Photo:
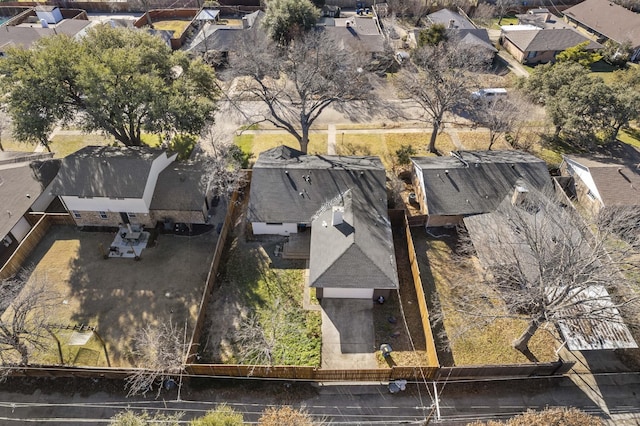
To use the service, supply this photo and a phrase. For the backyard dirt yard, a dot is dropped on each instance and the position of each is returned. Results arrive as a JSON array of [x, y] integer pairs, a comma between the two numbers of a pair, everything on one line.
[[120, 296]]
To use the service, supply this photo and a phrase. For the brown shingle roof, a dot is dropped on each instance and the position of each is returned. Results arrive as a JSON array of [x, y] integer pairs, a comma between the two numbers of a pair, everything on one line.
[[613, 21], [546, 40]]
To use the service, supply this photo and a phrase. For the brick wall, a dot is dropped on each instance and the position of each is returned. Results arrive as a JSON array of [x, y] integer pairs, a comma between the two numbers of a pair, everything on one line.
[[88, 218]]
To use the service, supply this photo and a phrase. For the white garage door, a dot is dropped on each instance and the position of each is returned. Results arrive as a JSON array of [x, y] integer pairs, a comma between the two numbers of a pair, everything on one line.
[[347, 293]]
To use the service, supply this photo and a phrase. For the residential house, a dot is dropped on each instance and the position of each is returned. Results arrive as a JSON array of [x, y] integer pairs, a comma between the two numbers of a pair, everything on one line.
[[541, 18], [471, 182], [464, 31], [539, 46], [337, 207], [109, 186], [224, 39], [354, 33], [606, 20], [601, 182], [42, 21], [25, 180]]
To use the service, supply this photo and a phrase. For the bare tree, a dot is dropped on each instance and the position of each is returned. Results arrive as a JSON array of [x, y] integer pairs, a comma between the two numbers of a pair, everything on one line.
[[503, 7], [499, 116], [223, 162], [484, 13], [441, 81], [299, 81], [546, 264], [25, 301], [160, 351]]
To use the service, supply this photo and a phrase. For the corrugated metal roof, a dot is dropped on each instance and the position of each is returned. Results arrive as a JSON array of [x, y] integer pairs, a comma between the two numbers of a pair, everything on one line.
[[591, 321]]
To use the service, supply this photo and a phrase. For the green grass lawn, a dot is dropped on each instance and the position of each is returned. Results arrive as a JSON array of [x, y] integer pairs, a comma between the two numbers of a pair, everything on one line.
[[604, 70], [630, 136], [270, 290], [384, 145], [63, 145]]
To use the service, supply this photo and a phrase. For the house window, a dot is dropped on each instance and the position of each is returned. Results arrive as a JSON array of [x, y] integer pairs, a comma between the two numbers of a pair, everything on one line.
[[131, 215], [76, 214], [103, 215], [532, 54], [274, 223]]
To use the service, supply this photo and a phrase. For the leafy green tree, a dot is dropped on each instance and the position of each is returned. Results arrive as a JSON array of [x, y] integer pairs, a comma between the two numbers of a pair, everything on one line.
[[545, 80], [404, 154], [118, 81], [285, 19], [131, 418], [223, 415], [579, 54], [183, 144], [616, 54], [432, 36]]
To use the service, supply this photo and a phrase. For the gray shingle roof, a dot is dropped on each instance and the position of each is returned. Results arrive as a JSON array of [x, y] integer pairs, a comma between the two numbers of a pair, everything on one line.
[[101, 171], [479, 184], [547, 40], [355, 254], [179, 187], [18, 180], [445, 16], [280, 193], [609, 19]]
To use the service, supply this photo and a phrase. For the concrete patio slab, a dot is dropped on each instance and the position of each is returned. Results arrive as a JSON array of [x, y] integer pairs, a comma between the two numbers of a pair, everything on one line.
[[348, 340]]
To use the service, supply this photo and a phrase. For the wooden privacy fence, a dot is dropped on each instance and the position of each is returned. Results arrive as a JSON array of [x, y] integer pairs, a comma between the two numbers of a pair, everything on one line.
[[505, 371], [313, 373], [41, 222], [398, 218], [211, 277]]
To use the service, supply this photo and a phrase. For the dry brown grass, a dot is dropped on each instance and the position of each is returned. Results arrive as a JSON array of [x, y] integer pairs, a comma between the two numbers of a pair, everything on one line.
[[175, 25], [478, 140], [120, 296], [474, 343]]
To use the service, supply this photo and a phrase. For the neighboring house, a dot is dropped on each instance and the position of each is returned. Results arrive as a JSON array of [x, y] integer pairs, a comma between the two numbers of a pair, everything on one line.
[[42, 21], [354, 33], [224, 39], [472, 182], [541, 18], [607, 20], [603, 182], [25, 180], [109, 186], [539, 46], [461, 29], [343, 201]]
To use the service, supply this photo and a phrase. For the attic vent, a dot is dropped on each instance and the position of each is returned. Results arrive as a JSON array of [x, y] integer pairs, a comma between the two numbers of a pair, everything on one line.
[[337, 217]]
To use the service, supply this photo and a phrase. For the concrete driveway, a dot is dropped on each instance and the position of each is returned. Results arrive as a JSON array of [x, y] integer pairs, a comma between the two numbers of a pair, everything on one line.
[[348, 340]]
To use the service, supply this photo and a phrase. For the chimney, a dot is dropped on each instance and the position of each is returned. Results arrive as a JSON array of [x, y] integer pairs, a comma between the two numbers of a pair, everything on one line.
[[452, 24], [44, 24], [245, 23], [337, 217], [519, 195]]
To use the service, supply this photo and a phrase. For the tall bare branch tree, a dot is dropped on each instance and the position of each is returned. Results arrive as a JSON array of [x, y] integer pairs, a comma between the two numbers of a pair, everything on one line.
[[25, 301], [299, 81], [441, 82], [160, 352], [546, 264], [499, 116]]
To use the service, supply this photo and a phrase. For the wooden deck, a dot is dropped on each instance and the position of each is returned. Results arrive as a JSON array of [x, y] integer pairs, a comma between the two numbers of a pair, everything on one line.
[[298, 246]]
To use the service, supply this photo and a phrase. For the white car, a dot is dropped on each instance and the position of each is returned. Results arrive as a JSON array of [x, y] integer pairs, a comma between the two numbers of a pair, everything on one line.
[[489, 94]]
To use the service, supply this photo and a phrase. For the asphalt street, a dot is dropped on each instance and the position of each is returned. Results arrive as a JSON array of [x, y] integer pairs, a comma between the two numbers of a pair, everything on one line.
[[67, 402]]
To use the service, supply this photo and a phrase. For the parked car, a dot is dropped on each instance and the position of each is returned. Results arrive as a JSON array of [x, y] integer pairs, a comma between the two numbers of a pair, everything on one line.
[[489, 94]]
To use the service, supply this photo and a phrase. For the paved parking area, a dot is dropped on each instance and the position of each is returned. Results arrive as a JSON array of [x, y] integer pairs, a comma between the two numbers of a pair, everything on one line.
[[348, 338]]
